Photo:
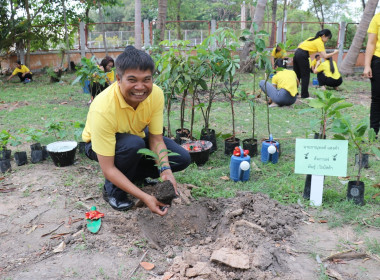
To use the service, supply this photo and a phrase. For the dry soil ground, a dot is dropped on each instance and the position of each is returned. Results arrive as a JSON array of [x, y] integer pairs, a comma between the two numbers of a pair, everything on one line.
[[43, 234]]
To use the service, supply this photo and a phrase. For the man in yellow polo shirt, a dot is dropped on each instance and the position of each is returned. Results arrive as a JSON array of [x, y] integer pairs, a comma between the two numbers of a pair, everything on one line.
[[372, 70], [283, 89], [124, 118], [22, 72]]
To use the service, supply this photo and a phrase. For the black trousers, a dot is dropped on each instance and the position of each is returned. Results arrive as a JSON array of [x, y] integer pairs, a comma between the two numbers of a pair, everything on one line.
[[97, 88], [328, 81], [29, 76], [375, 94], [301, 66], [135, 166]]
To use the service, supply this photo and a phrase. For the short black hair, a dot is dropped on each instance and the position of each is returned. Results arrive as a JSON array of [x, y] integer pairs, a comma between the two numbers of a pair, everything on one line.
[[317, 55], [133, 58], [19, 62]]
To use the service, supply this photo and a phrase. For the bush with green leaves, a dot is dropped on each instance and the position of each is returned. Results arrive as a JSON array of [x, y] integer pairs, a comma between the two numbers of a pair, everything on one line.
[[4, 138], [78, 130], [89, 71], [56, 128], [33, 134], [329, 106], [345, 129]]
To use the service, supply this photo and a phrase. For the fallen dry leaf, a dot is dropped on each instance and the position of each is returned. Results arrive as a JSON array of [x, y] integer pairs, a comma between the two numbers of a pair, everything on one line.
[[376, 185], [289, 132], [209, 168], [63, 103], [375, 195], [337, 261], [60, 247], [147, 265], [225, 178], [311, 220], [167, 276], [322, 221], [358, 242], [344, 178]]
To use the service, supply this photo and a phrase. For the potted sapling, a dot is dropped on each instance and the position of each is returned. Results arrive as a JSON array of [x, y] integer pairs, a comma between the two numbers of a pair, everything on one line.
[[163, 191], [327, 106], [20, 156], [5, 154], [78, 130], [357, 140], [61, 152], [225, 44], [212, 68], [4, 139], [34, 135]]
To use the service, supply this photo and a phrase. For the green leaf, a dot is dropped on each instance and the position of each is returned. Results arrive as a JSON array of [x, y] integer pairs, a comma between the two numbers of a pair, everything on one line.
[[315, 103]]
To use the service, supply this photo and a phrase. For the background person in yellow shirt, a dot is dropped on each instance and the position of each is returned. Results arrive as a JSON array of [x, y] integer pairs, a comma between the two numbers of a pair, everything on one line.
[[372, 70], [22, 72], [283, 89], [313, 62], [328, 74], [124, 118], [301, 63], [106, 66], [278, 57]]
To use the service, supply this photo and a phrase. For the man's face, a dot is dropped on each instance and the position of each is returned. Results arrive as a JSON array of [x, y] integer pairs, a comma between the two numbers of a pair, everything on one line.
[[135, 86], [18, 65]]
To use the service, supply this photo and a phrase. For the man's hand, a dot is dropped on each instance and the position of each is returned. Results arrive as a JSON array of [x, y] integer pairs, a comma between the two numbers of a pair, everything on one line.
[[168, 175], [367, 72], [154, 206], [23, 74]]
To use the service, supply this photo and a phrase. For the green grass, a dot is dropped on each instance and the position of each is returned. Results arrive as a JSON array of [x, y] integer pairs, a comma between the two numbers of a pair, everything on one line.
[[40, 102]]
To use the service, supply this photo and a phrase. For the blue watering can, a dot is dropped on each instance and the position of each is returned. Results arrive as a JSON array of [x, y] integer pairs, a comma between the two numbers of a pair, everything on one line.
[[315, 82], [240, 165], [270, 150]]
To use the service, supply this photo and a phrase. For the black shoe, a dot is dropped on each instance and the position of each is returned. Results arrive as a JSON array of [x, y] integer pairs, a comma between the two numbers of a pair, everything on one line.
[[118, 204]]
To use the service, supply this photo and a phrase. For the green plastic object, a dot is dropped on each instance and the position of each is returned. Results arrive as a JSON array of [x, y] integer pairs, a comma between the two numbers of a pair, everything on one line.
[[94, 225]]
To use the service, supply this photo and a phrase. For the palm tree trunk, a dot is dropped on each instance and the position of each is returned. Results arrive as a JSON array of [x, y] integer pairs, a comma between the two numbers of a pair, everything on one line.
[[348, 63], [245, 63], [138, 24]]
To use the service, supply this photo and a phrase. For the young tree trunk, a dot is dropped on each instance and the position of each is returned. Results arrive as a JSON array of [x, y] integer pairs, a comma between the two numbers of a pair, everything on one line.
[[66, 36], [179, 33], [284, 11], [273, 31], [138, 24], [161, 20], [103, 29], [246, 64], [27, 60], [348, 63]]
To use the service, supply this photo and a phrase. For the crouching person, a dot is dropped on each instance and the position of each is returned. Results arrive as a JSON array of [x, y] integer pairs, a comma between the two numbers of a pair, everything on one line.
[[328, 74], [283, 89], [114, 132], [22, 72]]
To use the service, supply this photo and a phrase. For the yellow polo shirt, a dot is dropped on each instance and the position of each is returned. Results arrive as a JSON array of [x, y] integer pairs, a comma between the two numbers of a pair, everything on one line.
[[110, 114], [111, 76], [325, 68], [286, 79], [313, 62], [374, 28], [23, 69], [314, 46], [279, 54]]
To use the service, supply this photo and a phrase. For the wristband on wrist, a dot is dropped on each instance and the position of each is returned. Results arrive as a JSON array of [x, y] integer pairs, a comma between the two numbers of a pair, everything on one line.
[[164, 168]]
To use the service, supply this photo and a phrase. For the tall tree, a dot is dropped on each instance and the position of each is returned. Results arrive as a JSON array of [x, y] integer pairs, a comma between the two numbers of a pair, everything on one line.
[[245, 61], [161, 20], [273, 33], [103, 28], [318, 8], [66, 36], [138, 24], [348, 63]]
